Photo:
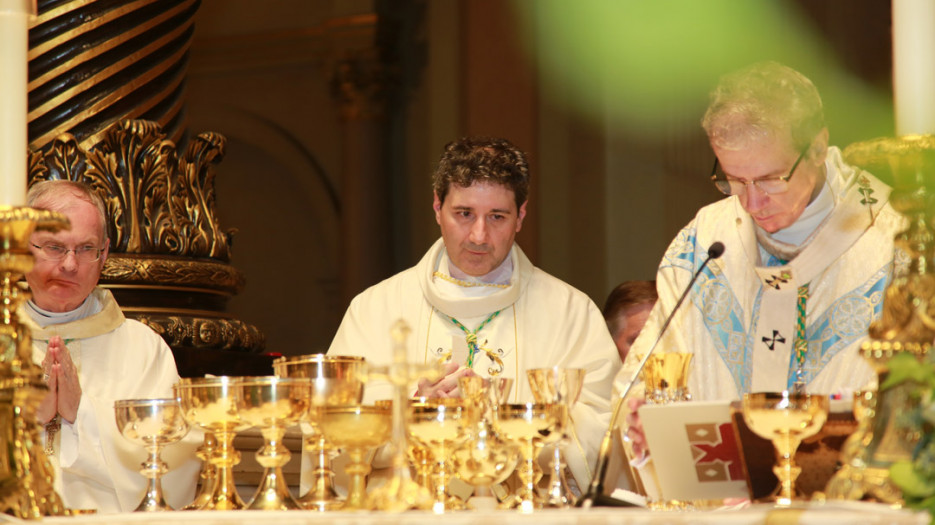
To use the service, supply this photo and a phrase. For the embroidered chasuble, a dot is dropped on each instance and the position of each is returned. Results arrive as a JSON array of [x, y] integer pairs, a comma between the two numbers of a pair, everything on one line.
[[741, 317], [532, 321], [116, 358]]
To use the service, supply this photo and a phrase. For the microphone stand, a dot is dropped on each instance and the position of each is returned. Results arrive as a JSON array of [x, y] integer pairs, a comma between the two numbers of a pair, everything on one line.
[[595, 497]]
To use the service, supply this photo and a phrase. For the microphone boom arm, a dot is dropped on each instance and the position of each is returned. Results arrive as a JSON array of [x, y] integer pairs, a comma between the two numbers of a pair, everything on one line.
[[596, 488]]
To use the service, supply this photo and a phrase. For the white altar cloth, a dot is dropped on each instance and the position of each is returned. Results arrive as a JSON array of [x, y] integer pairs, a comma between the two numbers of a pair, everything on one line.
[[844, 513]]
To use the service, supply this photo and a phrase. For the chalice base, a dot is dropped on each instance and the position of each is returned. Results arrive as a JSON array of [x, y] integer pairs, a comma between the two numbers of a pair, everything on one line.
[[273, 493], [400, 494], [153, 500]]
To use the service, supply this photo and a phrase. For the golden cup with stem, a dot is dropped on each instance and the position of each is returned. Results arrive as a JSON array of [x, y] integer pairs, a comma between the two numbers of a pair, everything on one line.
[[273, 404], [558, 386], [484, 458], [211, 403], [785, 418], [437, 426], [153, 424], [358, 429], [530, 426], [336, 380]]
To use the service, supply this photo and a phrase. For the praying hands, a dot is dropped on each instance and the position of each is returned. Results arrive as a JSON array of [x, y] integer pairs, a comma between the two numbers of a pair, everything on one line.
[[62, 377]]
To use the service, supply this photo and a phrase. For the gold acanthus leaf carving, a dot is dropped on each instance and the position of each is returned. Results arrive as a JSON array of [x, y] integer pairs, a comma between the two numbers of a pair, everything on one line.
[[156, 203], [201, 274]]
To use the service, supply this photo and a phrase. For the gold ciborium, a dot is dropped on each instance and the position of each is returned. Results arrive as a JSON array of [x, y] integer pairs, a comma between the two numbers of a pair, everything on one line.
[[358, 429], [437, 425], [785, 418], [530, 426], [153, 424], [558, 386], [211, 403], [273, 404], [484, 458], [336, 380]]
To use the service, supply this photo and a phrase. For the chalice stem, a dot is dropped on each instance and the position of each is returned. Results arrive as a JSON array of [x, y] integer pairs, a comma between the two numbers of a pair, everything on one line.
[[557, 493], [527, 474], [153, 469], [273, 493], [208, 474], [225, 496], [357, 469], [786, 470]]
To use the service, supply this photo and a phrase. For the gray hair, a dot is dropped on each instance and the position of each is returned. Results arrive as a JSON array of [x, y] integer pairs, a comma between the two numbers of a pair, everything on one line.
[[766, 99], [46, 195]]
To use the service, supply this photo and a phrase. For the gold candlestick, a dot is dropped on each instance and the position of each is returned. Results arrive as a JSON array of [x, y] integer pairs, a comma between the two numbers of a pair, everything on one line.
[[26, 475]]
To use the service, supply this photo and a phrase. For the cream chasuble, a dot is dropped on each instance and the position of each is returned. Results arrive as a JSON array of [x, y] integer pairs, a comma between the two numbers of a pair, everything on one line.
[[542, 322], [741, 315], [116, 358]]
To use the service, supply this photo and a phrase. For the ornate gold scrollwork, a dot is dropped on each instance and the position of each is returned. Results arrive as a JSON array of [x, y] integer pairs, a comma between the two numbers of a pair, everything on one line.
[[199, 332], [156, 203], [169, 262]]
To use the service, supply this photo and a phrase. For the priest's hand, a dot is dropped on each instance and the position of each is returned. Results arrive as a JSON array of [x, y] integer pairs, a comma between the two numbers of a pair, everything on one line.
[[47, 408], [65, 376], [447, 386], [635, 429]]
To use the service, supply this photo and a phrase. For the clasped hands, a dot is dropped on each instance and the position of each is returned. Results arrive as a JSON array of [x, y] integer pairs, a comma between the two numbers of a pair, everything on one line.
[[64, 389], [447, 386]]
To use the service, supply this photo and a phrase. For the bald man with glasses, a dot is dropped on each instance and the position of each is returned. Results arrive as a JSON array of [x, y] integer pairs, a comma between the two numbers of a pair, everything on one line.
[[92, 356], [808, 251]]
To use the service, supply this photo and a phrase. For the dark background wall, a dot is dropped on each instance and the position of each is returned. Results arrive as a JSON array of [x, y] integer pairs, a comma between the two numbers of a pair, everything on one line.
[[336, 111]]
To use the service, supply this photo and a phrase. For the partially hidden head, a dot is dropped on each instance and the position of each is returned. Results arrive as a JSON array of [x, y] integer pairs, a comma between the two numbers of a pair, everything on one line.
[[480, 190], [626, 311], [68, 262]]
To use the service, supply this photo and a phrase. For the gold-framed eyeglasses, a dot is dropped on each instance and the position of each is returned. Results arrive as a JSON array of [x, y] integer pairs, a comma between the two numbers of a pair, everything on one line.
[[57, 252], [767, 185]]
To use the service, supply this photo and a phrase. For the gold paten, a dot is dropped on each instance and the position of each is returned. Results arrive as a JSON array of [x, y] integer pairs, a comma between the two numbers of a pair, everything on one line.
[[906, 324], [26, 475]]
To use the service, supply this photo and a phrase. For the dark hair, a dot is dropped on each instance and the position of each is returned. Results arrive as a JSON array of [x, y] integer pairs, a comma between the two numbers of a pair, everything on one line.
[[625, 295], [482, 159]]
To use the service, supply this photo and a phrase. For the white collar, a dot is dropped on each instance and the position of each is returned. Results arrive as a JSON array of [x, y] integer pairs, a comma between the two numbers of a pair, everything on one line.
[[43, 318]]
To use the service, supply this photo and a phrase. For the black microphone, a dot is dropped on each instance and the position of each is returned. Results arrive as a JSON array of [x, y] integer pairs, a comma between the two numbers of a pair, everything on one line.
[[595, 496]]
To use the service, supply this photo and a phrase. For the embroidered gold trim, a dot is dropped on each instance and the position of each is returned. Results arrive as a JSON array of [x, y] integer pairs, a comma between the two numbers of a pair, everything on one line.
[[467, 284]]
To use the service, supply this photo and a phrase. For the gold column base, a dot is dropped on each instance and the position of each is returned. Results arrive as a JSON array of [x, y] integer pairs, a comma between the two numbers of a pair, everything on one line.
[[26, 474]]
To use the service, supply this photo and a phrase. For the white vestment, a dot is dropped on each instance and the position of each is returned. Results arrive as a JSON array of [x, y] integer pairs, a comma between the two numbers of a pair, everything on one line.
[[543, 322], [739, 320], [116, 358]]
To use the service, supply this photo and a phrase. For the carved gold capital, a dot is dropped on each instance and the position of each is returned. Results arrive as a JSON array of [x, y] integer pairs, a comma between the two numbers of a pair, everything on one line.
[[162, 271], [157, 202]]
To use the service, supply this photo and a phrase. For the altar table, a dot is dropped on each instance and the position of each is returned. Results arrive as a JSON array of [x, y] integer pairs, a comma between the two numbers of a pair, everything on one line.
[[844, 513]]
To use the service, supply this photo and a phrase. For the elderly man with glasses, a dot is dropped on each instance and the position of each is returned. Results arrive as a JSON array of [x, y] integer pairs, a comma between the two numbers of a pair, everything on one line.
[[92, 356], [808, 251]]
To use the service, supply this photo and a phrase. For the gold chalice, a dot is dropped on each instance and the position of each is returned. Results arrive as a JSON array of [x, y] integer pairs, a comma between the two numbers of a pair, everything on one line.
[[665, 376], [211, 403], [484, 458], [558, 386], [437, 425], [336, 380], [529, 426], [358, 429], [785, 418], [152, 423], [273, 404]]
